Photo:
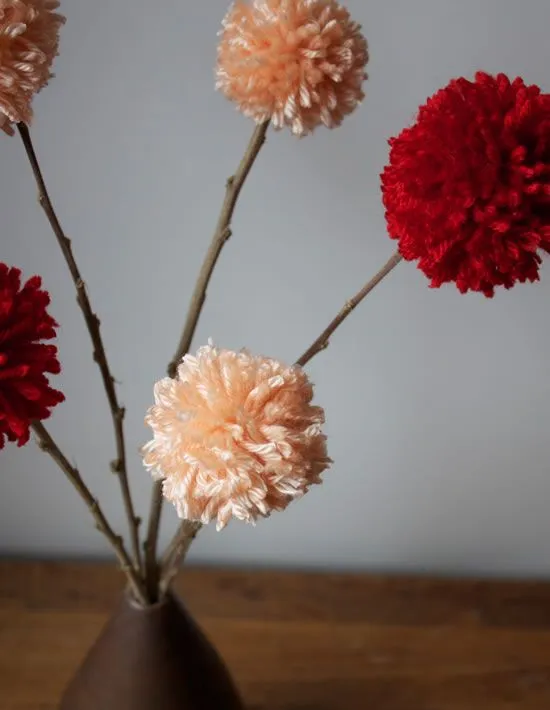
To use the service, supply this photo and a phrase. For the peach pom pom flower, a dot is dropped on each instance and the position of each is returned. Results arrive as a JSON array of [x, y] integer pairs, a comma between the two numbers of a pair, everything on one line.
[[29, 41], [299, 63], [235, 435]]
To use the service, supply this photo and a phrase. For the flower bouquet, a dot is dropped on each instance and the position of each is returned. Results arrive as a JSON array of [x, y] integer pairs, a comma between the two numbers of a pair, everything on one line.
[[236, 435]]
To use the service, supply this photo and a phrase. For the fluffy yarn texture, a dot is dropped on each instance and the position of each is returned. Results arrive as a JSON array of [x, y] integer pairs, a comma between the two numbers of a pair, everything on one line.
[[467, 188], [300, 63], [29, 41], [25, 393], [235, 435]]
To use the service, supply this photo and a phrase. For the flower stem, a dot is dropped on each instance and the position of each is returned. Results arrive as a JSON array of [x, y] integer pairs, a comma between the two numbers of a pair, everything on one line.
[[176, 552], [49, 446], [222, 234], [151, 541], [323, 340], [119, 466]]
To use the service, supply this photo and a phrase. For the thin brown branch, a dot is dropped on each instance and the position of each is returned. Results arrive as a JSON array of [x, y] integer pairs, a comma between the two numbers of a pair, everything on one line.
[[176, 552], [221, 235], [48, 445], [152, 571], [119, 466], [234, 186], [323, 340]]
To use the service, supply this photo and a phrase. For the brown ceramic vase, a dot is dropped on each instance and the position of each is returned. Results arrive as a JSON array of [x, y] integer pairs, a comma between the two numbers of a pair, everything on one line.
[[153, 658]]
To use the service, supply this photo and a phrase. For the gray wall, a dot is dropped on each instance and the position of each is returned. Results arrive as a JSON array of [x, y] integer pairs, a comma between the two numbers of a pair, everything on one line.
[[438, 404]]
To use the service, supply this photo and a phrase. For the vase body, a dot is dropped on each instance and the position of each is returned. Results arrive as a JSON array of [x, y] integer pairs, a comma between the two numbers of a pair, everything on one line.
[[153, 658]]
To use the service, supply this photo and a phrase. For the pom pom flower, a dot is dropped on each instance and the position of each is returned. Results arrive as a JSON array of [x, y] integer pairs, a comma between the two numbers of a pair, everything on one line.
[[299, 63], [235, 435], [29, 41], [25, 394], [467, 188]]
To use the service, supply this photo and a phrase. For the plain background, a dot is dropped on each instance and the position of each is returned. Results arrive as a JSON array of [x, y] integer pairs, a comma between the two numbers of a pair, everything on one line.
[[438, 404]]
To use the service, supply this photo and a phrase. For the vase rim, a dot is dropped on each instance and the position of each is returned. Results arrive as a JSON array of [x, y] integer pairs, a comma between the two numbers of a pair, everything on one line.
[[136, 605]]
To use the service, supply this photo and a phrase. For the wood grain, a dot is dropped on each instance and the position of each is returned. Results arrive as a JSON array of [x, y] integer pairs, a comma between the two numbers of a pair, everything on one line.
[[300, 641]]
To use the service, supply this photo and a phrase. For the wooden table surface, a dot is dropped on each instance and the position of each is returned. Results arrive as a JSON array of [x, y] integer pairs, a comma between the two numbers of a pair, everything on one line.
[[300, 641]]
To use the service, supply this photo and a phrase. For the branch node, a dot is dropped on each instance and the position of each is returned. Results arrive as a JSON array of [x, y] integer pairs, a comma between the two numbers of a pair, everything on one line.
[[227, 234], [230, 182], [116, 466]]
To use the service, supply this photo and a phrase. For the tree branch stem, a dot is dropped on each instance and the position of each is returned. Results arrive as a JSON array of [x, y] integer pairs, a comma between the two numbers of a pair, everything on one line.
[[323, 340], [221, 235], [93, 324], [176, 552], [48, 445]]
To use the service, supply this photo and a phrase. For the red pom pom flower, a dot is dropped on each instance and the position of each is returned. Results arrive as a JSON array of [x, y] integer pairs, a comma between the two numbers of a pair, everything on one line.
[[467, 188], [25, 393]]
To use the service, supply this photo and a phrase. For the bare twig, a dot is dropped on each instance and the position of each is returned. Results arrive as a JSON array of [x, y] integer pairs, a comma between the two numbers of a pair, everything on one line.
[[92, 322], [234, 186], [152, 570], [323, 340], [47, 444], [176, 553]]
